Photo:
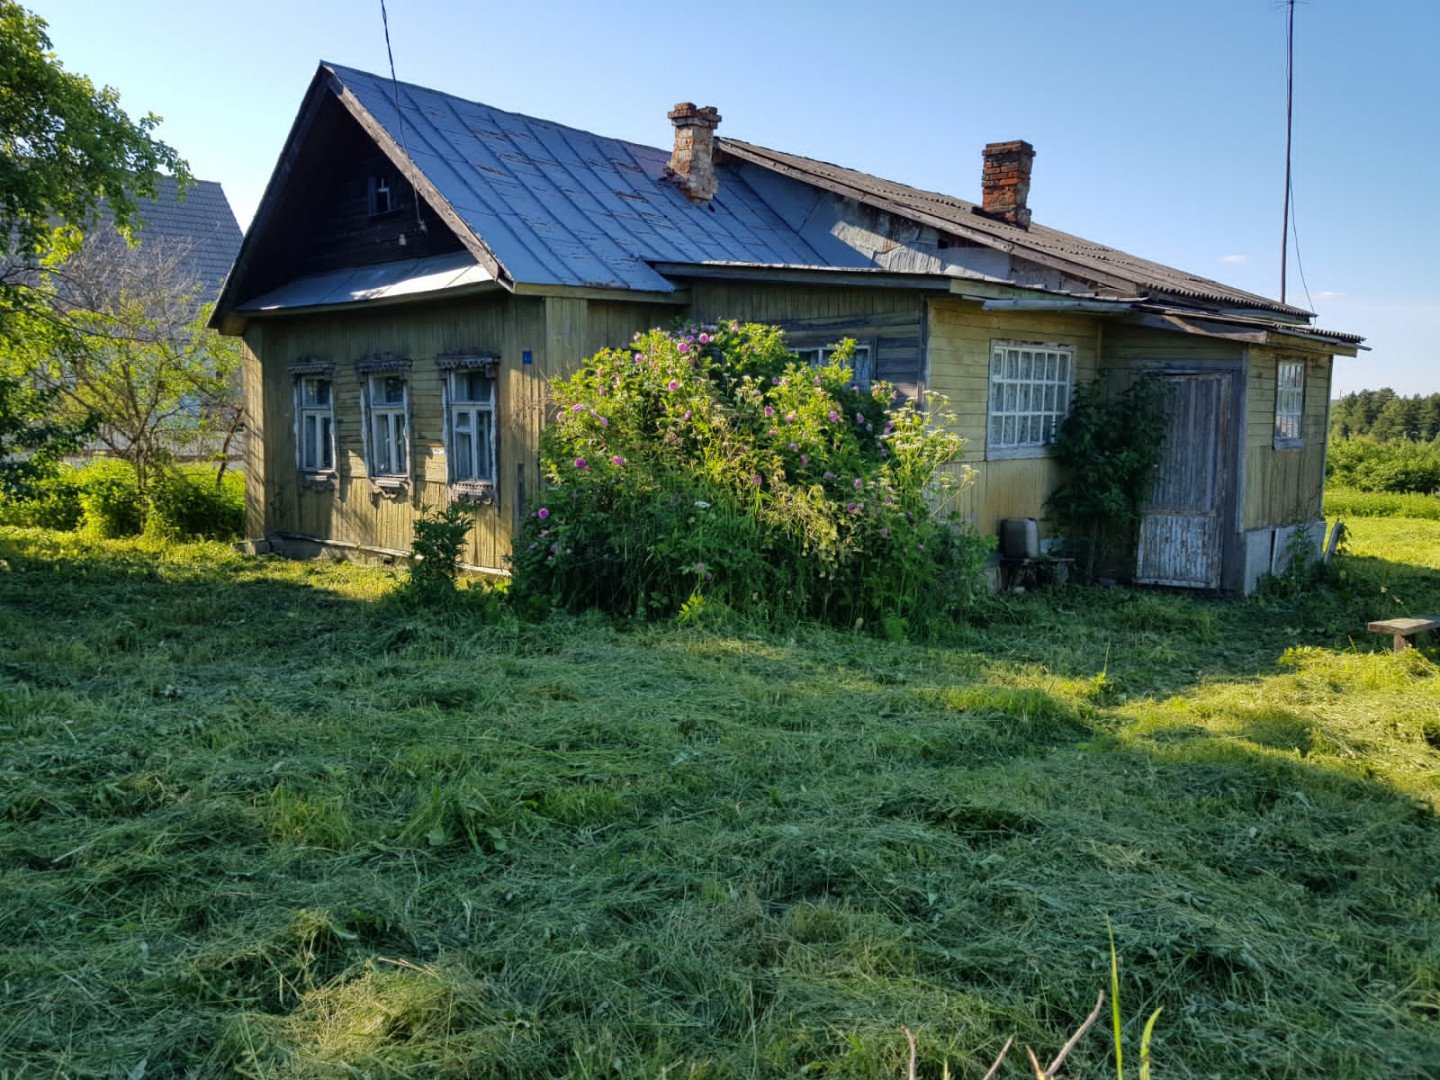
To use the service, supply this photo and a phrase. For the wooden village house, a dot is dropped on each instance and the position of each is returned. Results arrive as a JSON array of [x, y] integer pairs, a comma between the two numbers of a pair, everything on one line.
[[421, 265]]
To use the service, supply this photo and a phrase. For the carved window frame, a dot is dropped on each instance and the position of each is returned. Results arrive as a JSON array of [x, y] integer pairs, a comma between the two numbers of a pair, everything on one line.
[[387, 365], [470, 489], [312, 371]]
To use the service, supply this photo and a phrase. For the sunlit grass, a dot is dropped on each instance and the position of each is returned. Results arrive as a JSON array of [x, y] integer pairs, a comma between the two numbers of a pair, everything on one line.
[[258, 818]]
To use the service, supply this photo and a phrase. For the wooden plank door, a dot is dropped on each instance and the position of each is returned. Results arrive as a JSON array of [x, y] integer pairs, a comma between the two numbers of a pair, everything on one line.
[[1181, 534]]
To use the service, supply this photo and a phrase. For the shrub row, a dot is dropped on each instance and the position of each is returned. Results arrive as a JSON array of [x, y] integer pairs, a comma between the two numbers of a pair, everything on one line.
[[1398, 466], [1348, 502], [101, 499]]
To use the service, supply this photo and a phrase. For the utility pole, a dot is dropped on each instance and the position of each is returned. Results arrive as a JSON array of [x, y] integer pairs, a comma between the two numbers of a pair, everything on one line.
[[1289, 114]]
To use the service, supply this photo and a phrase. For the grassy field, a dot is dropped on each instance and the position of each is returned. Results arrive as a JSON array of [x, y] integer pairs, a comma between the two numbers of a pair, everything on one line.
[[260, 819], [1348, 503]]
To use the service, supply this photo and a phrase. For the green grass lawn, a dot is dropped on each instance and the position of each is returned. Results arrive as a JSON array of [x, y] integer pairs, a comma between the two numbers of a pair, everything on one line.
[[259, 819]]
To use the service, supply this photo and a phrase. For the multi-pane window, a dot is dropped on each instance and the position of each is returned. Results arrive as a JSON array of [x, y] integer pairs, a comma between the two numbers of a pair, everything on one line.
[[819, 357], [389, 428], [1029, 393], [472, 426], [1289, 402], [316, 412]]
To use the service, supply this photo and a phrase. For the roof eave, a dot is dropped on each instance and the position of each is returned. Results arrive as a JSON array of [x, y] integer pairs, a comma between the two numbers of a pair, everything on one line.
[[812, 275]]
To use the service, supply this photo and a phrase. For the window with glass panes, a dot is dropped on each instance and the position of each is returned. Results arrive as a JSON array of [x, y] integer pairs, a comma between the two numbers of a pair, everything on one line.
[[316, 409], [1289, 402], [472, 426], [389, 435], [818, 357], [1029, 393]]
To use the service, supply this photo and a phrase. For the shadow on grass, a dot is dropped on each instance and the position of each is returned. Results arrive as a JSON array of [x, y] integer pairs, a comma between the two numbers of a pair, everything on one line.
[[276, 821]]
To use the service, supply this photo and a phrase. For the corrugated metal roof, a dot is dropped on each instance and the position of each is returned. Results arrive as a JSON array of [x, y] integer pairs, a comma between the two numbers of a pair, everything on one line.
[[561, 206], [202, 221], [945, 211]]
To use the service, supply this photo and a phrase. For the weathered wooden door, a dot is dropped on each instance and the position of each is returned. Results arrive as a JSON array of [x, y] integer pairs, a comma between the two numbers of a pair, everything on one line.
[[1182, 530]]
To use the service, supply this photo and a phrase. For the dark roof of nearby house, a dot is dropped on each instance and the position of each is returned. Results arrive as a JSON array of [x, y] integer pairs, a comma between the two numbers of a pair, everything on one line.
[[539, 203], [201, 220]]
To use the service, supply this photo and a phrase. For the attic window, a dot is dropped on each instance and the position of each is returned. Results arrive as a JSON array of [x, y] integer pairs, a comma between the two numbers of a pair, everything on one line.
[[382, 193]]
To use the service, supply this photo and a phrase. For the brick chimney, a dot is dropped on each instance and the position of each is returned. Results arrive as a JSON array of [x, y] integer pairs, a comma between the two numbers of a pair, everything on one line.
[[692, 162], [1005, 181]]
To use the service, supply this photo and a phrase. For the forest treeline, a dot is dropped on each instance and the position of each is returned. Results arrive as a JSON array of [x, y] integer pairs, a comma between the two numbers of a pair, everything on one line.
[[1383, 442], [1385, 415]]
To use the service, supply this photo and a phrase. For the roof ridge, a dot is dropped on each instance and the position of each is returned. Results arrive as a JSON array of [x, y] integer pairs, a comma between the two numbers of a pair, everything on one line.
[[342, 70], [1037, 238]]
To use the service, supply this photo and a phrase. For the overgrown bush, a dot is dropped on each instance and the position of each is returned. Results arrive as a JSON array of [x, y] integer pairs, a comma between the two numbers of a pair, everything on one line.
[[1397, 466], [709, 466], [110, 499], [188, 502], [1108, 448], [102, 499]]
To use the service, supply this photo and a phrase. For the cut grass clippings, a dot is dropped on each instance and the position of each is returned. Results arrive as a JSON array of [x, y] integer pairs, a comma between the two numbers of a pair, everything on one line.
[[258, 818]]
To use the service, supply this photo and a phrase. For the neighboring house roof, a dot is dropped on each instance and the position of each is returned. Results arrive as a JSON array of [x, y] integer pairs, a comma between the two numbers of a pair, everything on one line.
[[201, 220], [538, 203]]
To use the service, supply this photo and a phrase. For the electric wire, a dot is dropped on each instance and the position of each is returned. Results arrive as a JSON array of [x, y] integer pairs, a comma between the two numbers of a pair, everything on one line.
[[399, 116]]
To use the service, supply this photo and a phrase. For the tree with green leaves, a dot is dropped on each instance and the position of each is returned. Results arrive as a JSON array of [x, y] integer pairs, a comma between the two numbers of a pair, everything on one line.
[[70, 158], [67, 148], [125, 341]]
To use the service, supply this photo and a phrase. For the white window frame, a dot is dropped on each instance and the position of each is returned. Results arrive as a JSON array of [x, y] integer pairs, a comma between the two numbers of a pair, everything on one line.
[[464, 468], [1289, 404], [1030, 388], [863, 364], [382, 194], [392, 420], [315, 425]]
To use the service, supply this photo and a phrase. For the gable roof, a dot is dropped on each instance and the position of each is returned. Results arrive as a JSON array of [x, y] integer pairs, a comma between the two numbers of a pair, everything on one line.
[[541, 204], [201, 221]]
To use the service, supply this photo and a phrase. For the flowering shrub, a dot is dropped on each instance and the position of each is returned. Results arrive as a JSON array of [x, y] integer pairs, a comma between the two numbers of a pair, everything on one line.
[[711, 464]]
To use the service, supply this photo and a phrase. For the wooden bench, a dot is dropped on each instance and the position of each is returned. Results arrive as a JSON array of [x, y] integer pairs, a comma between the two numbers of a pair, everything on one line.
[[1404, 629]]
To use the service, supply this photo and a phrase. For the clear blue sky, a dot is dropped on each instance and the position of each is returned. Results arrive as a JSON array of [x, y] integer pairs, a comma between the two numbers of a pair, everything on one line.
[[1158, 126]]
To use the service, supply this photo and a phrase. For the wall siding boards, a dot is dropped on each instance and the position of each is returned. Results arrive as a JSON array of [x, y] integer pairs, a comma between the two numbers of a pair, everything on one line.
[[960, 334], [890, 321], [1284, 487], [350, 511], [919, 342]]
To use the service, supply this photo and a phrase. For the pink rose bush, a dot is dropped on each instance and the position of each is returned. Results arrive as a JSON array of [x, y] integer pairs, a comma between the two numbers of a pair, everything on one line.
[[685, 488]]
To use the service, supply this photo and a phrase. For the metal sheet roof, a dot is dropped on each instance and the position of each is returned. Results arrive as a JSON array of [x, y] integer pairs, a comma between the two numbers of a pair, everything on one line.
[[560, 206], [382, 281], [945, 211]]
